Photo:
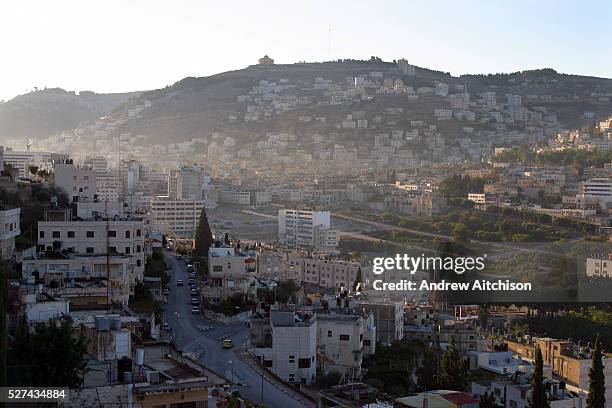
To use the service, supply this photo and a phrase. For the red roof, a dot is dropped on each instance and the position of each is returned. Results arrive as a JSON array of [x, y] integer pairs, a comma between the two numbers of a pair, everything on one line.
[[460, 398]]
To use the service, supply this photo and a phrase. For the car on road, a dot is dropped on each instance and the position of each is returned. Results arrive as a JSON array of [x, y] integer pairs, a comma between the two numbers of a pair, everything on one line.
[[179, 282], [190, 268], [195, 310], [227, 344], [166, 326]]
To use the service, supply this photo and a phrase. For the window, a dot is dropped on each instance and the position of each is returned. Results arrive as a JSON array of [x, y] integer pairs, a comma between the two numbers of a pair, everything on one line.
[[291, 377], [89, 234], [89, 250], [128, 250], [329, 333], [217, 268], [267, 363], [127, 234], [41, 234], [138, 233], [71, 234], [367, 343], [138, 248], [291, 359], [138, 262], [304, 363], [344, 337], [56, 234], [112, 234]]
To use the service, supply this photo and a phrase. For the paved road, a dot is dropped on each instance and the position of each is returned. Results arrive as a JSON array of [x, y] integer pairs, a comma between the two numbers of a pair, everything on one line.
[[193, 333]]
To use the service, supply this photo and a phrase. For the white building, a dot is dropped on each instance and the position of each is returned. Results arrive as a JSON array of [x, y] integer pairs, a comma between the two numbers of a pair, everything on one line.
[[94, 237], [230, 271], [597, 188], [306, 229], [596, 267], [178, 217], [22, 160], [293, 350], [77, 182], [9, 229], [405, 68], [340, 342]]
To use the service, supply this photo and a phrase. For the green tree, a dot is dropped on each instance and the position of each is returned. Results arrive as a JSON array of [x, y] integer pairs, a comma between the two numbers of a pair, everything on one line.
[[453, 371], [487, 401], [597, 387], [46, 355], [538, 393], [427, 373], [519, 328], [203, 236]]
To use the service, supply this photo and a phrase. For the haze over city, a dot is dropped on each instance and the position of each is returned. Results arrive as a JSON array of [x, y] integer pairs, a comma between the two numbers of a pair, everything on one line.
[[306, 204], [119, 46]]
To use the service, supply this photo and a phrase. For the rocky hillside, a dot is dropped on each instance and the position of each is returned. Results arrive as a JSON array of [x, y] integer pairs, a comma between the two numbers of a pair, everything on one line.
[[41, 113]]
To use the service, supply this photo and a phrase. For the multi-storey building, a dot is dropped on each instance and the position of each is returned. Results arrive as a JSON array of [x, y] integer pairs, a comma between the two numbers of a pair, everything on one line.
[[22, 160], [94, 237], [306, 229], [9, 229], [288, 345], [177, 217], [388, 318], [342, 342], [327, 273], [599, 267], [230, 271], [77, 182]]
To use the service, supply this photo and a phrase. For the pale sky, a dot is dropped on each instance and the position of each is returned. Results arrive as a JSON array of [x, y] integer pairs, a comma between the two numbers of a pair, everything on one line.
[[116, 46]]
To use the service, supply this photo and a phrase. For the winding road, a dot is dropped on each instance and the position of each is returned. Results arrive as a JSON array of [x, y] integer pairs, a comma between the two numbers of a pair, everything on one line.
[[193, 333]]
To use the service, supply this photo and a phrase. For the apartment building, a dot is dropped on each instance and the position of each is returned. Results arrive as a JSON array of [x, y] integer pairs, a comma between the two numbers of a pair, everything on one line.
[[290, 346], [599, 189], [22, 160], [9, 230], [388, 318], [78, 182], [57, 271], [176, 217], [342, 342], [231, 270], [93, 237], [567, 360], [599, 267], [327, 273], [464, 335], [187, 183], [415, 204], [307, 229]]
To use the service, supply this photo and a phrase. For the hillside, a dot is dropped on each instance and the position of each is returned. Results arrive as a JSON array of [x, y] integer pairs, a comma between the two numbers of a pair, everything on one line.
[[195, 107], [41, 113], [236, 104]]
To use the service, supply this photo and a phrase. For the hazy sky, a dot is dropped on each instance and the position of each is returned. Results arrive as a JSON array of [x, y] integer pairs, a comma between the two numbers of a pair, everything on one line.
[[113, 46]]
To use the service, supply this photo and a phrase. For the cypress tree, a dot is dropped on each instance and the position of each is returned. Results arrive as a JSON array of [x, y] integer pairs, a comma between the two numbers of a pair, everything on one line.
[[453, 371], [597, 387], [203, 236], [538, 393]]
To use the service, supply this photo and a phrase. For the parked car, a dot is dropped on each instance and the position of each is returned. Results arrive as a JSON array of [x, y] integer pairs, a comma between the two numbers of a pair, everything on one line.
[[195, 310], [166, 326]]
